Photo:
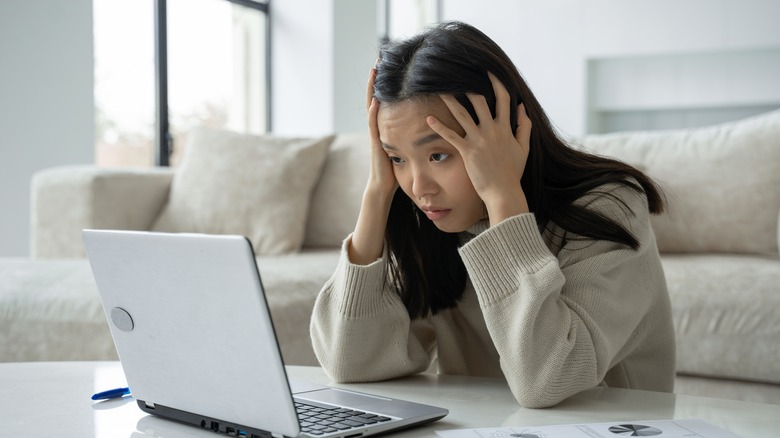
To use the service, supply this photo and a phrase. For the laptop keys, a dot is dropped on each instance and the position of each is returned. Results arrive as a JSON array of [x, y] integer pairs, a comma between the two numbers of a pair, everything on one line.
[[317, 420]]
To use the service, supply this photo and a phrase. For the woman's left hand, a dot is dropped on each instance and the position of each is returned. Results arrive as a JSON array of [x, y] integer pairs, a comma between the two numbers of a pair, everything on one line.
[[494, 156]]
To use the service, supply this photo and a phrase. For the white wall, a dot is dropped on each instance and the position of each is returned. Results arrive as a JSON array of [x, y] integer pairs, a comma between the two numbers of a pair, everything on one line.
[[322, 52], [46, 108], [302, 67], [552, 41], [355, 52], [321, 57], [681, 91]]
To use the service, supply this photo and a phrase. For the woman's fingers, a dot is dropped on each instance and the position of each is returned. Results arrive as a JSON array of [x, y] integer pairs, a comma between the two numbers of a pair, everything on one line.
[[503, 100], [373, 126], [381, 177], [446, 133], [480, 105], [372, 105], [460, 114], [524, 125], [370, 86]]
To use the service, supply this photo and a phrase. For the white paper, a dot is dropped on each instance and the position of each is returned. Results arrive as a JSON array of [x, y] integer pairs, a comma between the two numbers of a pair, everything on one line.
[[617, 429]]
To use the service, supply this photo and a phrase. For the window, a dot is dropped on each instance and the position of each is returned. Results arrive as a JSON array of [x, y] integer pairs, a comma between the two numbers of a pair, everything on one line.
[[212, 71], [404, 18], [124, 82]]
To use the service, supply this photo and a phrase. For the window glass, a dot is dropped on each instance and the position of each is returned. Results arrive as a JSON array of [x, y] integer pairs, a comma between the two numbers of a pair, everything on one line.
[[124, 82], [216, 69], [407, 18], [216, 75]]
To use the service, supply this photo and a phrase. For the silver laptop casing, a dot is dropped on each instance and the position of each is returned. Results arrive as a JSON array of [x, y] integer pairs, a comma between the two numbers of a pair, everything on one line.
[[193, 331]]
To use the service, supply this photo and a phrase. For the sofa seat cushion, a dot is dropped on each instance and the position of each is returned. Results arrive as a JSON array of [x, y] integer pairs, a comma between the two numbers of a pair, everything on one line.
[[50, 309], [292, 284], [726, 317]]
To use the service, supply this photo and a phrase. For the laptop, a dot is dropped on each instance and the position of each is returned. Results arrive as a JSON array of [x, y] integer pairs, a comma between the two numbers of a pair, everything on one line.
[[193, 332]]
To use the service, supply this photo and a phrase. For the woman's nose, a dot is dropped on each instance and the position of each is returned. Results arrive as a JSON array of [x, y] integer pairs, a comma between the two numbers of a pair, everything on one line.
[[422, 185]]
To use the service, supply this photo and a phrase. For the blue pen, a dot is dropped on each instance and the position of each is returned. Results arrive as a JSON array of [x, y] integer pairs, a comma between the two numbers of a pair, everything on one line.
[[111, 393]]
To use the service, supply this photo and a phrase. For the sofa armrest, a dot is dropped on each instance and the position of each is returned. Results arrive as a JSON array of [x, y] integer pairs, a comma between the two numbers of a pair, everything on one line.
[[65, 200]]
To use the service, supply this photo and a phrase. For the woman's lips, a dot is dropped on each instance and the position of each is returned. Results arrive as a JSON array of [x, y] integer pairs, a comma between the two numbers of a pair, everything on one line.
[[435, 215]]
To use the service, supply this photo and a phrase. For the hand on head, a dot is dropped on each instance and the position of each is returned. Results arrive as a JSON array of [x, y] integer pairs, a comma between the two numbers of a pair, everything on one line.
[[380, 178], [494, 156]]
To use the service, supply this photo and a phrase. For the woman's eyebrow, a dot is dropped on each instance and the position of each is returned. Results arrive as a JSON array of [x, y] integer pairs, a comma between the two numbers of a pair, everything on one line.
[[427, 139], [419, 142]]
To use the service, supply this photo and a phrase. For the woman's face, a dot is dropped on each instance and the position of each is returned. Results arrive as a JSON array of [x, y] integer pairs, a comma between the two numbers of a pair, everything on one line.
[[428, 168]]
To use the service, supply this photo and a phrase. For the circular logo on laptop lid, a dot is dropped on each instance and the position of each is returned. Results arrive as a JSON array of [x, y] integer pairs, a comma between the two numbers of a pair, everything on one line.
[[122, 320]]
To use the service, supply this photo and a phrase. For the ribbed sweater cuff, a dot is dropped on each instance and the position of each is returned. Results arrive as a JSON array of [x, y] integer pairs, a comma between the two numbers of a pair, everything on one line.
[[494, 257], [361, 286]]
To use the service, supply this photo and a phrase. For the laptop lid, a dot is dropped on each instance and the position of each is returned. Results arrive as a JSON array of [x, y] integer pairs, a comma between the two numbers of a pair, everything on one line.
[[192, 327], [193, 331]]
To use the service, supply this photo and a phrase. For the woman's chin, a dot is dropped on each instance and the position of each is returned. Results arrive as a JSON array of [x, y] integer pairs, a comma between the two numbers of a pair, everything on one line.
[[449, 227]]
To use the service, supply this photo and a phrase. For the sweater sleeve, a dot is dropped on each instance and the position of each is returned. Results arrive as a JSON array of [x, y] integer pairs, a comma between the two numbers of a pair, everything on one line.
[[361, 330], [560, 323]]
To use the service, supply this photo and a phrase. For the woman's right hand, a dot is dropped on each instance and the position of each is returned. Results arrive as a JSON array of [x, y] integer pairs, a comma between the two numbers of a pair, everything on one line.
[[368, 238], [381, 179]]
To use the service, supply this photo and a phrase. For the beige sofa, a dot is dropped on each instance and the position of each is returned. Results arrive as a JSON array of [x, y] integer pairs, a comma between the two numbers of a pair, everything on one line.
[[296, 199]]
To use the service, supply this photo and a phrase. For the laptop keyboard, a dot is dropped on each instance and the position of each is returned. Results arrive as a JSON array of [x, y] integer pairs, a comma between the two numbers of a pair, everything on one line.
[[316, 420]]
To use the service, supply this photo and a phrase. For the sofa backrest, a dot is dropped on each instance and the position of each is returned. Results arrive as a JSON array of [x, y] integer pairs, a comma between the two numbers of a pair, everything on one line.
[[336, 198], [722, 183]]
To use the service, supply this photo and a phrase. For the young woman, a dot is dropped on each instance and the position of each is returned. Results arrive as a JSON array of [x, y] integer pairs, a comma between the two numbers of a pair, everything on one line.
[[486, 243]]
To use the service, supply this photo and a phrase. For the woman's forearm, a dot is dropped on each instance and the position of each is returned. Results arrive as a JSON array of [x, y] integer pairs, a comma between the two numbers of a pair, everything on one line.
[[368, 238]]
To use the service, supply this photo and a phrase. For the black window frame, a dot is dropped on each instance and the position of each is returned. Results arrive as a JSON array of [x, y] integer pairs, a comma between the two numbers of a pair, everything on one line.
[[163, 138]]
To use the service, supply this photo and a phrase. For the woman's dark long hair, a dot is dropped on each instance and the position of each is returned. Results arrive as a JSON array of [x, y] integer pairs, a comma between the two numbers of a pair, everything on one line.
[[454, 58]]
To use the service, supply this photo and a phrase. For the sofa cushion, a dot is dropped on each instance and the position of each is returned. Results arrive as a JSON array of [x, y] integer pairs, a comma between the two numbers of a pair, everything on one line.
[[67, 199], [292, 283], [335, 203], [725, 310], [722, 183], [256, 186], [50, 309]]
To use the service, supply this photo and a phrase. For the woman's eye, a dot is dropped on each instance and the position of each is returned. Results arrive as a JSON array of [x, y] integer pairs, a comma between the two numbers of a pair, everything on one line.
[[396, 160], [439, 157]]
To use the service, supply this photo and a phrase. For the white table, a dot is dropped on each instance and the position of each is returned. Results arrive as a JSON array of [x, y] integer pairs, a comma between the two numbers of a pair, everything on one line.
[[53, 399]]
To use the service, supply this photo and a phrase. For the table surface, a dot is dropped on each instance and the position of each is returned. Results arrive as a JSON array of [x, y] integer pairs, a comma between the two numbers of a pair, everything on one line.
[[41, 398]]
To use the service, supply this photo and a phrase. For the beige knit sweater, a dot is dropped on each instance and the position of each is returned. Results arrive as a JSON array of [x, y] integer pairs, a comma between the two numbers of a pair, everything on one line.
[[552, 321]]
